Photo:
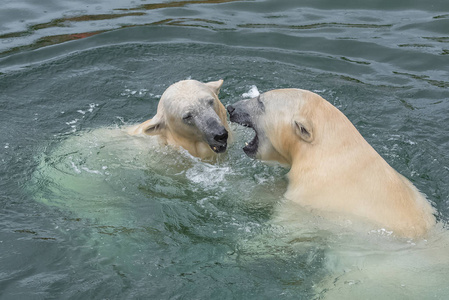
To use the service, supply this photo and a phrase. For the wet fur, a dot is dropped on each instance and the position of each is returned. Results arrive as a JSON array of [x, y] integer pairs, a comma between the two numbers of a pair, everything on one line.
[[184, 97], [333, 169]]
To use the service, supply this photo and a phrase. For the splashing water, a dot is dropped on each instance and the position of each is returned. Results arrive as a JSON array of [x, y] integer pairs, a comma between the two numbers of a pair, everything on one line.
[[252, 93]]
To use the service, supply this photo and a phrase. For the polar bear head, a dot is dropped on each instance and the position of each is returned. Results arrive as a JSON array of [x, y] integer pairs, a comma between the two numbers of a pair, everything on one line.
[[190, 115], [283, 121]]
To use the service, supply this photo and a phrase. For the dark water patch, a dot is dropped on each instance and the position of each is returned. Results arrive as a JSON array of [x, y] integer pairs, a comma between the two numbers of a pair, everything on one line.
[[441, 16], [82, 219], [314, 26], [440, 84], [438, 39], [71, 21], [63, 22], [177, 4], [354, 61], [188, 22], [414, 45], [52, 40]]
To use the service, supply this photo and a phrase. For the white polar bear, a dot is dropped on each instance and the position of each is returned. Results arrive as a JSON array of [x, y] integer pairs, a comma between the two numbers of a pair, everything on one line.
[[333, 169], [190, 115]]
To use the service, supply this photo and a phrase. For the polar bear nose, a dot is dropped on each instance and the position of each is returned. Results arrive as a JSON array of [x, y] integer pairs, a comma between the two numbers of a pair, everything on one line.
[[230, 109], [222, 137]]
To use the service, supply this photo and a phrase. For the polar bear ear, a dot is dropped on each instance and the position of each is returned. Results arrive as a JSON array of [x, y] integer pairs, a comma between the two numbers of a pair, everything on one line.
[[154, 126], [215, 85], [303, 129]]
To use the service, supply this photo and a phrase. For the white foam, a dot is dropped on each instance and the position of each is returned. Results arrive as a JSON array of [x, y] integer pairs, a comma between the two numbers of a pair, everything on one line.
[[141, 92], [92, 106], [382, 231], [207, 175], [75, 168], [72, 122], [252, 93], [91, 171], [319, 91]]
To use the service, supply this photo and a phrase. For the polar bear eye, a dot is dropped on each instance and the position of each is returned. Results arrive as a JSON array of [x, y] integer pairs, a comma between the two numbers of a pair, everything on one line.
[[210, 102], [187, 117]]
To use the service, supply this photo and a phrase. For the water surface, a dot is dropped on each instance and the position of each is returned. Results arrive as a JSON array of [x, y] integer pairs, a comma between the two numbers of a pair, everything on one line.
[[87, 212]]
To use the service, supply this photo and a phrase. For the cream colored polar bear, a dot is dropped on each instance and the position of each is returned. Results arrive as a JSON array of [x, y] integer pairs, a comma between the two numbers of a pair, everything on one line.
[[333, 168], [190, 115]]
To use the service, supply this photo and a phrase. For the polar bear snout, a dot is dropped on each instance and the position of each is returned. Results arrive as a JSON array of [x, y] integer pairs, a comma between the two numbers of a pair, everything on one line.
[[239, 113], [230, 109], [214, 132], [239, 116], [222, 137], [216, 136]]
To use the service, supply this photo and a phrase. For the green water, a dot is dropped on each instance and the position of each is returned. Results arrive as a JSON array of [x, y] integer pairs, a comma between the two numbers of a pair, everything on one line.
[[87, 212]]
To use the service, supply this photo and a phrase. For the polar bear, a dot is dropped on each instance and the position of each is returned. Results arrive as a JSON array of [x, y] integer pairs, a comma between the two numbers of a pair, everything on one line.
[[334, 171], [190, 115]]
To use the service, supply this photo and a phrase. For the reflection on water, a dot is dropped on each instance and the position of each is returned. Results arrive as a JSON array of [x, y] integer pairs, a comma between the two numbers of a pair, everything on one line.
[[88, 212], [179, 4], [412, 45], [69, 22], [315, 26]]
